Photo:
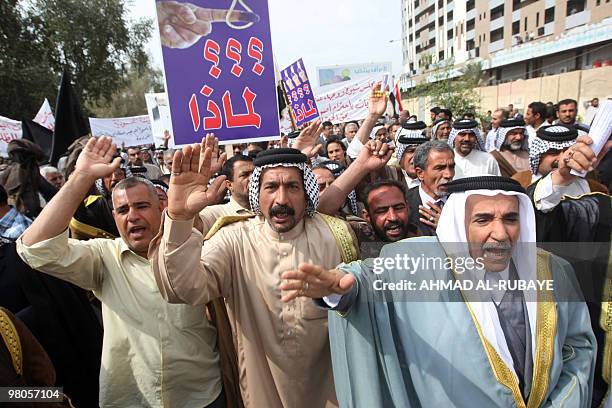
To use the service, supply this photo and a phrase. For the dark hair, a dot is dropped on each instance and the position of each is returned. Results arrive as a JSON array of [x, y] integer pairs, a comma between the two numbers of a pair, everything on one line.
[[137, 181], [505, 113], [551, 113], [447, 112], [3, 196], [327, 123], [334, 140], [379, 184], [538, 108], [228, 167], [567, 102], [421, 154]]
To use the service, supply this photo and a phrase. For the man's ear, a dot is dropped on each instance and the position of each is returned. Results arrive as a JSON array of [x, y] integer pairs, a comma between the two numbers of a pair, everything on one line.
[[366, 215], [228, 184], [420, 173]]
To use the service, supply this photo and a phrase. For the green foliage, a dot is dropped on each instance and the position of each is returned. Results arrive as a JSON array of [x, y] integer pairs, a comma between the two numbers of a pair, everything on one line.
[[129, 100], [93, 39], [453, 88]]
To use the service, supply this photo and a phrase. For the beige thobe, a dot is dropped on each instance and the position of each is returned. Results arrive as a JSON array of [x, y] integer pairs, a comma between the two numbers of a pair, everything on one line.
[[211, 214], [283, 349], [519, 160]]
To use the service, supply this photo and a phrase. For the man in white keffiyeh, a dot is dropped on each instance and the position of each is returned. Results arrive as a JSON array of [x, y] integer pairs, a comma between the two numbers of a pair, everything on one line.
[[512, 147]]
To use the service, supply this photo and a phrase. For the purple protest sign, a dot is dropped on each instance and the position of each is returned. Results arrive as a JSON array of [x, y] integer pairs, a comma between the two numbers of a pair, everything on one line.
[[219, 70], [299, 93]]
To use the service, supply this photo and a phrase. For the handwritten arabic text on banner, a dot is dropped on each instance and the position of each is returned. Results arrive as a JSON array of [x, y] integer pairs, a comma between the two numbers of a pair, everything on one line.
[[133, 131], [349, 100], [224, 83], [9, 129]]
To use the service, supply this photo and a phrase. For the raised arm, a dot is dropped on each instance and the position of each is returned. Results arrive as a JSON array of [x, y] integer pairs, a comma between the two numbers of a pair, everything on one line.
[[184, 271], [373, 157], [377, 104], [93, 163], [45, 245]]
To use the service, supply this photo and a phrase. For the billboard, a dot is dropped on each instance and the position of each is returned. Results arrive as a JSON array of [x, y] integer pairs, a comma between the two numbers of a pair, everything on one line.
[[340, 73]]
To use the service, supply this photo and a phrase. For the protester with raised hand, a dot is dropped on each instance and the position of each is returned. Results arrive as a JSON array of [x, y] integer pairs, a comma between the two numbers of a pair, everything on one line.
[[283, 348], [154, 354]]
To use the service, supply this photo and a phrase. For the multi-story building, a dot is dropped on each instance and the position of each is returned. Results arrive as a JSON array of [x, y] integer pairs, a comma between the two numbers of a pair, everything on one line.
[[514, 39]]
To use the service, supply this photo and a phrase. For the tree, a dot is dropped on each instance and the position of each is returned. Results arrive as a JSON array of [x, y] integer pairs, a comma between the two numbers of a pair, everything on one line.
[[129, 100], [93, 39], [453, 88]]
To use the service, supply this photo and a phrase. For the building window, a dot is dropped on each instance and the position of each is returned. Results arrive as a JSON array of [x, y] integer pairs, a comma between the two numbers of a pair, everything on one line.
[[525, 23], [469, 45], [516, 27], [441, 21], [440, 55], [440, 3], [449, 16], [575, 6], [537, 19], [470, 5], [549, 15], [416, 4], [497, 35], [497, 12], [449, 34], [470, 25], [540, 31], [598, 2]]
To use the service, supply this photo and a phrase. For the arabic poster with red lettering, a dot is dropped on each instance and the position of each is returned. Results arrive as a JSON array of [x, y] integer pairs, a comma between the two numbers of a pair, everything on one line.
[[219, 70], [299, 93]]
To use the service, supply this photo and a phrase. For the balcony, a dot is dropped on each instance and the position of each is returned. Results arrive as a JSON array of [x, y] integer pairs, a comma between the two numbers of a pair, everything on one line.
[[495, 3], [470, 14], [470, 35], [496, 46], [549, 28], [497, 23], [516, 15], [577, 19]]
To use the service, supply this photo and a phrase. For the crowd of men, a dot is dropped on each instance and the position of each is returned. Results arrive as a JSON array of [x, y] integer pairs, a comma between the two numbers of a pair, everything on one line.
[[138, 277]]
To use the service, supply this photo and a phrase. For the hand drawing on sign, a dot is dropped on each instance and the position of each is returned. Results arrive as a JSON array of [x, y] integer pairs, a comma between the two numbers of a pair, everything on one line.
[[181, 25]]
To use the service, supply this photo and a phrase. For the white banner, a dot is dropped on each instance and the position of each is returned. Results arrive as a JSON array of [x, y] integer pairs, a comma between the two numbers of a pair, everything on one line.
[[159, 114], [348, 100], [9, 129], [133, 131], [45, 117]]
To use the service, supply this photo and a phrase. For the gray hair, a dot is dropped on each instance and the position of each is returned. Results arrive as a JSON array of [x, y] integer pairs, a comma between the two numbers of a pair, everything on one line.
[[137, 181], [168, 153], [421, 154], [44, 171]]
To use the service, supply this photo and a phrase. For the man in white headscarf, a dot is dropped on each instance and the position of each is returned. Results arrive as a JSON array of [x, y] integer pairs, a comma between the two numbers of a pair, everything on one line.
[[512, 147], [283, 357], [418, 335], [471, 159]]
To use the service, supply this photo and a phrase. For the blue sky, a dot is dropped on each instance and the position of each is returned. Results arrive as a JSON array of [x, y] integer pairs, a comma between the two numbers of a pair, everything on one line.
[[322, 32]]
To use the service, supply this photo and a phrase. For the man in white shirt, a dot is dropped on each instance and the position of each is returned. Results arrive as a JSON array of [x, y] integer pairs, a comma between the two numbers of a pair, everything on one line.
[[591, 111], [470, 158], [535, 117], [496, 119], [154, 354]]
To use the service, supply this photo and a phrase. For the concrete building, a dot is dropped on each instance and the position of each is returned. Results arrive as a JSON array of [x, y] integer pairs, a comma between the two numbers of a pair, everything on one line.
[[514, 39]]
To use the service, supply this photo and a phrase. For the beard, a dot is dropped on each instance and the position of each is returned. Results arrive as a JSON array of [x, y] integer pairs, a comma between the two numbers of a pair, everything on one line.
[[514, 146], [381, 233]]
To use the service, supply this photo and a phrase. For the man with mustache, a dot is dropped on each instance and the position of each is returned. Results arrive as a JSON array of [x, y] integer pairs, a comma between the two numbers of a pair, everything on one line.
[[282, 348], [471, 159], [488, 344], [154, 354], [434, 164], [512, 147]]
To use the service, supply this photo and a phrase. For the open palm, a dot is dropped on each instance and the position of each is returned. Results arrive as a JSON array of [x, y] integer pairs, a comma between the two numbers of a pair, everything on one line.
[[191, 170], [306, 142], [95, 159], [377, 104]]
